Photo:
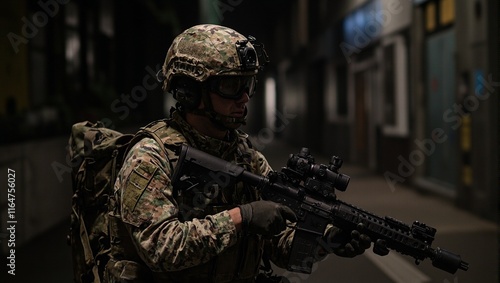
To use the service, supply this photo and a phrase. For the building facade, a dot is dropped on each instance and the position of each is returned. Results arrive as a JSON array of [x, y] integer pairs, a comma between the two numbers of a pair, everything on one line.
[[405, 88]]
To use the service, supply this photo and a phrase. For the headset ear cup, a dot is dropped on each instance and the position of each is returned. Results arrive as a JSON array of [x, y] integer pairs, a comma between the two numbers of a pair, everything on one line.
[[188, 94]]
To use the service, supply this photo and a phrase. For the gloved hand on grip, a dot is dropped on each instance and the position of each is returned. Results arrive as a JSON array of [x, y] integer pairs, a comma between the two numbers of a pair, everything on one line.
[[265, 218], [345, 244]]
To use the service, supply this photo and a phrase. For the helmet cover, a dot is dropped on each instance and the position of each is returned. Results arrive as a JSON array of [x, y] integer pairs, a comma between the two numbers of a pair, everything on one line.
[[209, 50]]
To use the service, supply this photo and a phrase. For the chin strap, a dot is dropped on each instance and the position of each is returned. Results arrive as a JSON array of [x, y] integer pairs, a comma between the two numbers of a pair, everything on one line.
[[224, 121]]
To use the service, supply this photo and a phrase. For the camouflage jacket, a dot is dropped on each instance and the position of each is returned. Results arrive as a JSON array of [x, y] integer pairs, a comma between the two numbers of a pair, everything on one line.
[[189, 236]]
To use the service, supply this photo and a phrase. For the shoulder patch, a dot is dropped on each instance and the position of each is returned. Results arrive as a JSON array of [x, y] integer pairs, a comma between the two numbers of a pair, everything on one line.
[[137, 182]]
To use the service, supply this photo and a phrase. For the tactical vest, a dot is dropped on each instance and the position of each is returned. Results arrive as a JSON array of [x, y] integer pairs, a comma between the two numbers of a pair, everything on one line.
[[240, 262]]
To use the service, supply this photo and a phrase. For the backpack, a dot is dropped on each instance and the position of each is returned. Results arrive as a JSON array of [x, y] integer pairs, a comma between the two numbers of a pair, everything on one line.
[[97, 154]]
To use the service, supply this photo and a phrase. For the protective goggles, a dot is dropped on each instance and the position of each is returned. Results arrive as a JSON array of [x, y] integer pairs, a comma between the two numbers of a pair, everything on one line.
[[233, 87]]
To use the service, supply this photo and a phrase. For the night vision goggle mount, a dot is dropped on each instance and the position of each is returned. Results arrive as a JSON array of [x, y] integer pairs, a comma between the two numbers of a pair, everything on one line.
[[250, 56]]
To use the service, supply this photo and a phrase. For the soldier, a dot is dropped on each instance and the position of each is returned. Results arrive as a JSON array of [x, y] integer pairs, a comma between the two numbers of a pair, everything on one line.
[[202, 234]]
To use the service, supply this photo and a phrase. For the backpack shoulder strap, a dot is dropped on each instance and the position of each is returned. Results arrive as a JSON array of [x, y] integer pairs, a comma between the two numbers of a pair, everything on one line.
[[167, 138]]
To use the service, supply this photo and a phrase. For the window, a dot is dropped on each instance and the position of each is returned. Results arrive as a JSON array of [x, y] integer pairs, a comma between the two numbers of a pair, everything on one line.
[[438, 14], [389, 77], [395, 82]]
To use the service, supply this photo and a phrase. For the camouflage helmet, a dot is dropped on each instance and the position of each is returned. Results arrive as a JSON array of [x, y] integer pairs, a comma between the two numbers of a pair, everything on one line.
[[209, 50]]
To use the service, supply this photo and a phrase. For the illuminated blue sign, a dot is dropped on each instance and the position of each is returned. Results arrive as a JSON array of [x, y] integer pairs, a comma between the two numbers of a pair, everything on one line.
[[364, 25]]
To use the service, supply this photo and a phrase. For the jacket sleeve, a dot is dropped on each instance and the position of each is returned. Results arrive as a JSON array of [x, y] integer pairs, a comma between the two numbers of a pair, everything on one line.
[[151, 214]]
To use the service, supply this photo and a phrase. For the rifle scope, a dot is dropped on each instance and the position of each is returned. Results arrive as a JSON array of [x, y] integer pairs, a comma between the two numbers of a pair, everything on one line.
[[303, 164]]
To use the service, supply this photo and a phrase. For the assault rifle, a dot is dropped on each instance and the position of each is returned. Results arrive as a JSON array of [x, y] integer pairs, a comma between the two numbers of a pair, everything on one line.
[[308, 189]]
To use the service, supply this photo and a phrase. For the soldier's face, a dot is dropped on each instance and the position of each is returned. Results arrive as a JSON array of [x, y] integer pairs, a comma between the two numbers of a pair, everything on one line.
[[230, 107]]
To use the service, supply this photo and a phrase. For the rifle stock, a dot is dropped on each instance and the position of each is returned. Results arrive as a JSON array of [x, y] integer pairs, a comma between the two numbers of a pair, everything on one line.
[[308, 189]]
